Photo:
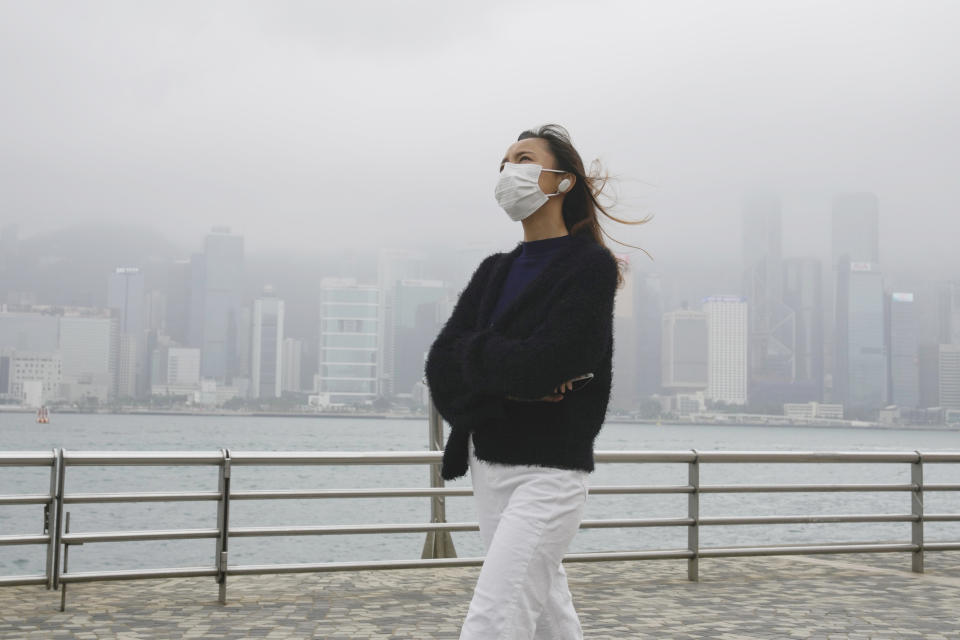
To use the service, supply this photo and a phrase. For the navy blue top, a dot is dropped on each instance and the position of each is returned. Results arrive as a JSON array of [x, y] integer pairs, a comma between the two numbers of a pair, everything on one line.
[[526, 266]]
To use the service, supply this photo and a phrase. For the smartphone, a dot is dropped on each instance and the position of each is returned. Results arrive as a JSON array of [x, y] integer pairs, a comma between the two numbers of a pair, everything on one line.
[[580, 381]]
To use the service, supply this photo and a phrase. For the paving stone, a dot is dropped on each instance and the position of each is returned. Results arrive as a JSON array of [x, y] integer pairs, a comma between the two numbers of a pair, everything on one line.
[[826, 596]]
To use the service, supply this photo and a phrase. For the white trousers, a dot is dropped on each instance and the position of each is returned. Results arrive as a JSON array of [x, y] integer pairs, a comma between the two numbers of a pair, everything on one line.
[[528, 516]]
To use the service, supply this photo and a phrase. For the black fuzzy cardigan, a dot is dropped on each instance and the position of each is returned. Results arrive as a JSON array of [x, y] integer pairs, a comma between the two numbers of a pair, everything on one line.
[[558, 327]]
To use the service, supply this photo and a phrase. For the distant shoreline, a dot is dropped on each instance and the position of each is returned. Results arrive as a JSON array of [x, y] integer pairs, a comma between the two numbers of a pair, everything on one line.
[[423, 417]]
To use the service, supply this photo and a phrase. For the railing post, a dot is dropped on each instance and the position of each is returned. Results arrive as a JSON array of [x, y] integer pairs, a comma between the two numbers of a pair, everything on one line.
[[58, 517], [51, 517], [916, 501], [693, 512], [223, 525], [438, 544]]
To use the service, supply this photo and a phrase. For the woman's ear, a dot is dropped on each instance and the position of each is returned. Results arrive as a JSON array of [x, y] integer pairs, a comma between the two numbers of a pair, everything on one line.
[[566, 183]]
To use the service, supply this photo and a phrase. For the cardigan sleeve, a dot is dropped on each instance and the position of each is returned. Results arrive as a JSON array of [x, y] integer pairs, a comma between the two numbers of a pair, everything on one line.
[[449, 391], [569, 343]]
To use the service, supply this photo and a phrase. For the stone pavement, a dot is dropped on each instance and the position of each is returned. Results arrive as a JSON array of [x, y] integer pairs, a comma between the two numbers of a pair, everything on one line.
[[823, 596]]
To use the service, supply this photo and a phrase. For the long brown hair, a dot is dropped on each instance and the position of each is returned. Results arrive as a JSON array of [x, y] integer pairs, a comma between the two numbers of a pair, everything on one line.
[[581, 203]]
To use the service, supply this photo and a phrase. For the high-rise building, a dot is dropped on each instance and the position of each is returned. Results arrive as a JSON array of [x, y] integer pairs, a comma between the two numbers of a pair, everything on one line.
[[685, 351], [802, 293], [125, 297], [949, 312], [860, 372], [949, 376], [394, 266], [855, 238], [221, 283], [178, 297], [929, 378], [648, 307], [772, 324], [415, 324], [348, 341], [291, 363], [267, 352], [903, 340], [626, 392], [727, 367]]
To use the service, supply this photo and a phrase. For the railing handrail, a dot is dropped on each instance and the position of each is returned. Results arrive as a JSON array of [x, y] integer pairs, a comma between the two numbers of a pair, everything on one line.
[[58, 537], [180, 457]]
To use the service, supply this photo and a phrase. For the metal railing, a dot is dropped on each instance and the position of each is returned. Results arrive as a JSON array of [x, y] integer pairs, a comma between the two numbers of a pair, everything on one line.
[[438, 547]]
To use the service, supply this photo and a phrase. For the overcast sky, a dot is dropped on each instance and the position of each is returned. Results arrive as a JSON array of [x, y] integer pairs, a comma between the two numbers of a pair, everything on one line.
[[308, 125]]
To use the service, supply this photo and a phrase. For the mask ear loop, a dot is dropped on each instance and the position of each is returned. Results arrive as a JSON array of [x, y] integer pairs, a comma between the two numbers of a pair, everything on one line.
[[559, 192]]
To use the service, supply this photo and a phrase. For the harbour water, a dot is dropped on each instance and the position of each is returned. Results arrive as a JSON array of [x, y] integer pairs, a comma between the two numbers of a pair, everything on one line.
[[19, 432]]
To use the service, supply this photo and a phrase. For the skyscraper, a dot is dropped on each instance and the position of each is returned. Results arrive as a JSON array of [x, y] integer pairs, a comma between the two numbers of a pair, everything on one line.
[[950, 376], [125, 296], [290, 363], [727, 368], [626, 391], [903, 339], [648, 312], [772, 324], [348, 341], [802, 292], [221, 284], [415, 305], [860, 374], [949, 312], [266, 352], [855, 238], [685, 351]]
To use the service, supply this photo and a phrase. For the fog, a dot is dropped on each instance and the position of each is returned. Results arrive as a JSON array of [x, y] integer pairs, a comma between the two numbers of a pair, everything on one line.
[[311, 126]]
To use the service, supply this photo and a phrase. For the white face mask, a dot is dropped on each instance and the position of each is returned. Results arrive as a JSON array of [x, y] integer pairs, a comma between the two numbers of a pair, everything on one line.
[[518, 189]]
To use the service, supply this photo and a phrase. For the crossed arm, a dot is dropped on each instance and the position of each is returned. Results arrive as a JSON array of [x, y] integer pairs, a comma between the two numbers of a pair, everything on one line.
[[464, 364]]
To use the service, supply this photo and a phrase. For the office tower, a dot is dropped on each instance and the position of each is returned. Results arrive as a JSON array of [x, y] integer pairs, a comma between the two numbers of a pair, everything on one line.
[[727, 340], [684, 351], [178, 293], [88, 348], [125, 296], [771, 323], [802, 293], [949, 312], [291, 362], [625, 394], [929, 375], [267, 352], [860, 372], [393, 266], [648, 311], [348, 370], [220, 276], [903, 378], [949, 371], [415, 324], [855, 238]]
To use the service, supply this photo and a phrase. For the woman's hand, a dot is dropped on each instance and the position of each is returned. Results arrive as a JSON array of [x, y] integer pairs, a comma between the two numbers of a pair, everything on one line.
[[556, 396]]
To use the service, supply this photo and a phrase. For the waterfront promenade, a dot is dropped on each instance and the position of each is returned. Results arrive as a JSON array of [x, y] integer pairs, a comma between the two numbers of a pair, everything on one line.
[[820, 596]]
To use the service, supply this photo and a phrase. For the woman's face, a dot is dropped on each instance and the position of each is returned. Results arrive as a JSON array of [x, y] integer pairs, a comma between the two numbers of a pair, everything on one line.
[[535, 151]]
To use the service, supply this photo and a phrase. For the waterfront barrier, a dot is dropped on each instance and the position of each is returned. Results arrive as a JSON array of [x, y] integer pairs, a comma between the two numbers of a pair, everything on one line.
[[438, 548]]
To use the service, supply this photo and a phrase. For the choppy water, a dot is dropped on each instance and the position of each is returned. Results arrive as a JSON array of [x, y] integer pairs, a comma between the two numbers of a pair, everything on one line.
[[121, 432]]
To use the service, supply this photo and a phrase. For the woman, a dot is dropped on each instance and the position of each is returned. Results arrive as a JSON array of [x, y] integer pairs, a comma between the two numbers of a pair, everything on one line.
[[506, 373]]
